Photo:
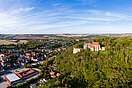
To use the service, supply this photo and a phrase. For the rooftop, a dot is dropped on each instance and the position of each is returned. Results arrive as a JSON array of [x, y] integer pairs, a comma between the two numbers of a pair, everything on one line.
[[93, 43], [12, 77], [25, 72]]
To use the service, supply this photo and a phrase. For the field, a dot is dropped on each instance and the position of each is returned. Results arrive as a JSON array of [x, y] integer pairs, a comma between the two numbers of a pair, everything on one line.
[[14, 42]]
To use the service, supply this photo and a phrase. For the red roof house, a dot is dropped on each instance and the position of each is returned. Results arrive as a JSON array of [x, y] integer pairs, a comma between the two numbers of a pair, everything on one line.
[[94, 46]]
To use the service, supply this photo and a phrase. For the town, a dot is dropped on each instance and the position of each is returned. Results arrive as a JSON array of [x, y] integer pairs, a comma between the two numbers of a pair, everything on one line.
[[20, 62]]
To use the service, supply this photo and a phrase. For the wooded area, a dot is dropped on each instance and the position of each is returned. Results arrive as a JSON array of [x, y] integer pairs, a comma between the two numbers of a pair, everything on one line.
[[111, 68]]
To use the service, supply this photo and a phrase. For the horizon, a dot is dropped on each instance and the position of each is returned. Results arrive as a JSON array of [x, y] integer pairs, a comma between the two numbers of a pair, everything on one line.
[[61, 33], [65, 17]]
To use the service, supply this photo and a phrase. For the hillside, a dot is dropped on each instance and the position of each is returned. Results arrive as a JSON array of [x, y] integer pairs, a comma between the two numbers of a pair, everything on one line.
[[109, 68]]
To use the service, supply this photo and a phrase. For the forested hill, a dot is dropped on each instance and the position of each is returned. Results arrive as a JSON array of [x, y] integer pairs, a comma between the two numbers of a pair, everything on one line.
[[109, 68]]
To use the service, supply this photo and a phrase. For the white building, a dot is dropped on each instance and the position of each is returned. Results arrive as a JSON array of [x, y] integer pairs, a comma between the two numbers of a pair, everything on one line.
[[76, 50], [103, 48]]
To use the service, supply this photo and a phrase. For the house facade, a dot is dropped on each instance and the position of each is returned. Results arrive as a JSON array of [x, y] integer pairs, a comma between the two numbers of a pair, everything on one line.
[[94, 46]]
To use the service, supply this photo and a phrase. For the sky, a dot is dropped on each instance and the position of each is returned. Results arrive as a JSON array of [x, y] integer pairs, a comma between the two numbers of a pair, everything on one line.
[[65, 16]]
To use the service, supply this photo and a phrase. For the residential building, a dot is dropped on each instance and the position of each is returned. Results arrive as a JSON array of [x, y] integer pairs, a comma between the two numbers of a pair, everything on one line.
[[54, 74]]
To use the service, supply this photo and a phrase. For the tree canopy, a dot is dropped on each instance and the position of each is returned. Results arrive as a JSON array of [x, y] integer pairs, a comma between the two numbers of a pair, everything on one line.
[[109, 68]]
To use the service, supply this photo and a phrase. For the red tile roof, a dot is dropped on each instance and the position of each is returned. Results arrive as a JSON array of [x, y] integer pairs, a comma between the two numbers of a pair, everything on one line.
[[25, 73]]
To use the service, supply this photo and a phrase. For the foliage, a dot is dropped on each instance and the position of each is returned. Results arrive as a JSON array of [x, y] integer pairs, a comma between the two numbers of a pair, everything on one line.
[[109, 68]]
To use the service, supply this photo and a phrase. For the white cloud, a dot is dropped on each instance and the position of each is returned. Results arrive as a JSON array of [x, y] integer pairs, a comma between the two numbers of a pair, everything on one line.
[[50, 20], [22, 10], [7, 20]]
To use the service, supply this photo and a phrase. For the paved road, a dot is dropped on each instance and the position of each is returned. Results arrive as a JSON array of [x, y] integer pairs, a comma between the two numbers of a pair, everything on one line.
[[3, 84]]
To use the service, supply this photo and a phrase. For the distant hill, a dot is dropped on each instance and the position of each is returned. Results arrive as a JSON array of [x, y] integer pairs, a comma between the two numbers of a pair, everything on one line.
[[46, 36]]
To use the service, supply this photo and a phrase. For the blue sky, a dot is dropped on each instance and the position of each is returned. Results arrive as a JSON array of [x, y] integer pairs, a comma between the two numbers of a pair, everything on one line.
[[65, 16]]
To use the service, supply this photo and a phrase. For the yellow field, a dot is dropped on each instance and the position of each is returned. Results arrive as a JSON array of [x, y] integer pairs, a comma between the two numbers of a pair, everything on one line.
[[9, 42]]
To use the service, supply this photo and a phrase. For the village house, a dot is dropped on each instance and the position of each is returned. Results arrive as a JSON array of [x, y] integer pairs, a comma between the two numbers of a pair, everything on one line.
[[54, 74], [1, 56], [2, 59]]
